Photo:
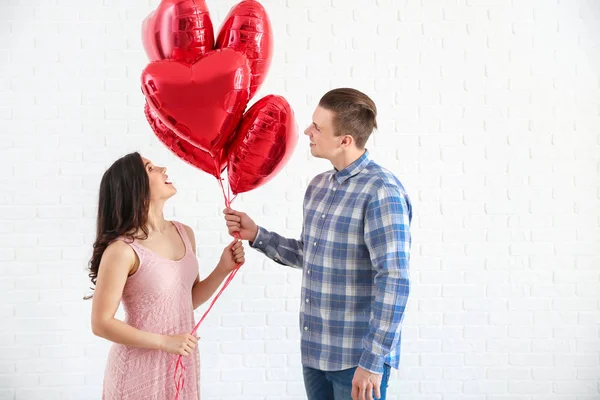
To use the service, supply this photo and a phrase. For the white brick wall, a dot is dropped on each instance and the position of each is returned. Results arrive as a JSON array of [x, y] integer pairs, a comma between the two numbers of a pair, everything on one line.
[[489, 114]]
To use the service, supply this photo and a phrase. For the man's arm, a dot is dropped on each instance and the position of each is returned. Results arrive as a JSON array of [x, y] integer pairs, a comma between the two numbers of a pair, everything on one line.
[[387, 236], [282, 250]]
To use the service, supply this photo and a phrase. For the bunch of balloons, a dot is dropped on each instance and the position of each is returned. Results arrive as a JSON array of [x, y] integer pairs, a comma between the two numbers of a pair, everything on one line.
[[197, 90]]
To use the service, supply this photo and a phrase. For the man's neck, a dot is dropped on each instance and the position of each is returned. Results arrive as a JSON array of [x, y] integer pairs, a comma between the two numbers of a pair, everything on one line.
[[347, 158]]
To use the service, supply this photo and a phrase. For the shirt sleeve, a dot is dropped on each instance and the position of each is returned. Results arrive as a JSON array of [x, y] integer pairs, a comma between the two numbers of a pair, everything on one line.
[[282, 250], [289, 252], [387, 236]]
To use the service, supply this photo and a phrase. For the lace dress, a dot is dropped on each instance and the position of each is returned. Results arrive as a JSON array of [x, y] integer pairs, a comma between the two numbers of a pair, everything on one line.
[[156, 298]]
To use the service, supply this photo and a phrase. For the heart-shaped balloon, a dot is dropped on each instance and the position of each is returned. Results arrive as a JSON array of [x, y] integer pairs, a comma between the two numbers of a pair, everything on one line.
[[247, 28], [203, 102], [179, 30], [263, 144], [182, 149]]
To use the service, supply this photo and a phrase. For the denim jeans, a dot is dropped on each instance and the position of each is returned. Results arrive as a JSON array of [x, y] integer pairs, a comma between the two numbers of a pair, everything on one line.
[[336, 385]]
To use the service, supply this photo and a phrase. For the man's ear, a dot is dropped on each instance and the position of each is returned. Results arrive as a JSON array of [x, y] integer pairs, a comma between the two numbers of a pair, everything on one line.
[[347, 141]]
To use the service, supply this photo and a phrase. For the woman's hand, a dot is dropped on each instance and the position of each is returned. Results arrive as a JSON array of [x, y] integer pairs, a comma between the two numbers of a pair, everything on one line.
[[232, 256], [182, 344]]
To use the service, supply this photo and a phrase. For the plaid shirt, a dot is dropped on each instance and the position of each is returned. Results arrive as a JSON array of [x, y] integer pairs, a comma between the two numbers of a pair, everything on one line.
[[354, 252]]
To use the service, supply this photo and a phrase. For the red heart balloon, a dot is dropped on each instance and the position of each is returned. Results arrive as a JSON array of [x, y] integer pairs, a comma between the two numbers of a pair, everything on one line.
[[264, 143], [182, 149], [247, 28], [203, 102], [179, 30]]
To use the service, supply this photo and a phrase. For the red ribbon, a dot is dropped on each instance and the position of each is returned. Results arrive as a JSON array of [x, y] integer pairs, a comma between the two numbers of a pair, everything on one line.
[[179, 367]]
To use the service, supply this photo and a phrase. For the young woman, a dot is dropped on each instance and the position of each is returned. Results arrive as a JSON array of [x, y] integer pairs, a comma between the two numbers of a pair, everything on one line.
[[149, 264]]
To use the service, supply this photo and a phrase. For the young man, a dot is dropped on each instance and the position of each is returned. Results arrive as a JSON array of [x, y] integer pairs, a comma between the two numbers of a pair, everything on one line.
[[354, 251]]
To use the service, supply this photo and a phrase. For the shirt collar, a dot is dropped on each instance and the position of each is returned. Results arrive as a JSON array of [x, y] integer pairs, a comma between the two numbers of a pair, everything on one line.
[[352, 169]]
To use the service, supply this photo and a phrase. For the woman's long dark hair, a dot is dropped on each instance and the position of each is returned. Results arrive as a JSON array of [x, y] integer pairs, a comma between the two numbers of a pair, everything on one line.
[[123, 204]]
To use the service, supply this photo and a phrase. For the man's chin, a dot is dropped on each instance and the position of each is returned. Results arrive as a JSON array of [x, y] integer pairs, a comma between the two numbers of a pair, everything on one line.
[[315, 154]]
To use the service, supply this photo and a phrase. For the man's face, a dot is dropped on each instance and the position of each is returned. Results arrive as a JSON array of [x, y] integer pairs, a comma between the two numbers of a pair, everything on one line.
[[323, 142]]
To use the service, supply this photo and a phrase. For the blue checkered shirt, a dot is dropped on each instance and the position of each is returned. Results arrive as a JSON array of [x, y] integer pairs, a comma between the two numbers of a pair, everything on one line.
[[354, 252]]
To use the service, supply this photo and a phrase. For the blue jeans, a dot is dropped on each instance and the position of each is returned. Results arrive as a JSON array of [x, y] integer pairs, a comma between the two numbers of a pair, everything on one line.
[[336, 385]]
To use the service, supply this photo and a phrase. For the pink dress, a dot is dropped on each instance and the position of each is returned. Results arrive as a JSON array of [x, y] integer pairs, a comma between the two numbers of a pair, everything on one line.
[[156, 298]]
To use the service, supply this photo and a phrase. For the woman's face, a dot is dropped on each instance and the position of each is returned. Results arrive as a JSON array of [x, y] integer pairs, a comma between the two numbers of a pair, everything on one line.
[[160, 187]]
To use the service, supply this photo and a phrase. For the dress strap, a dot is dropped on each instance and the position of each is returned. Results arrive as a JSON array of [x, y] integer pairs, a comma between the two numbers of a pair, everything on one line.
[[183, 233]]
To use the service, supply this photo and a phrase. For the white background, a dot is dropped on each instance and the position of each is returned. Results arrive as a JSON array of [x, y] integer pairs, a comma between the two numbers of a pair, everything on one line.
[[488, 113]]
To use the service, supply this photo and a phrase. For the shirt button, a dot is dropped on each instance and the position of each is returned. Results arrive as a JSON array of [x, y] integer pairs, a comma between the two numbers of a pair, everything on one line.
[[323, 216], [307, 300], [315, 243], [334, 189], [305, 328], [260, 242], [308, 272]]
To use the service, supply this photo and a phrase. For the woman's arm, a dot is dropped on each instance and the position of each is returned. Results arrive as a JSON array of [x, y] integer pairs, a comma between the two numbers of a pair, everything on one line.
[[117, 262], [203, 290]]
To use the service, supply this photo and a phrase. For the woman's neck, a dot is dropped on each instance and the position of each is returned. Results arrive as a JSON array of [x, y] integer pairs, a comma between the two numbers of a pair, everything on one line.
[[156, 221]]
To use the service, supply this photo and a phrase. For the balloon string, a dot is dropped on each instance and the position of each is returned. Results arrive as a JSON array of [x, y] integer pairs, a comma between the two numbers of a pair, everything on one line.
[[179, 367]]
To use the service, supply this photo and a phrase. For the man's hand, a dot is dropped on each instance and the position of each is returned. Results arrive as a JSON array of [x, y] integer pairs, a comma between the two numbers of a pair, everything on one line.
[[239, 222], [364, 383]]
